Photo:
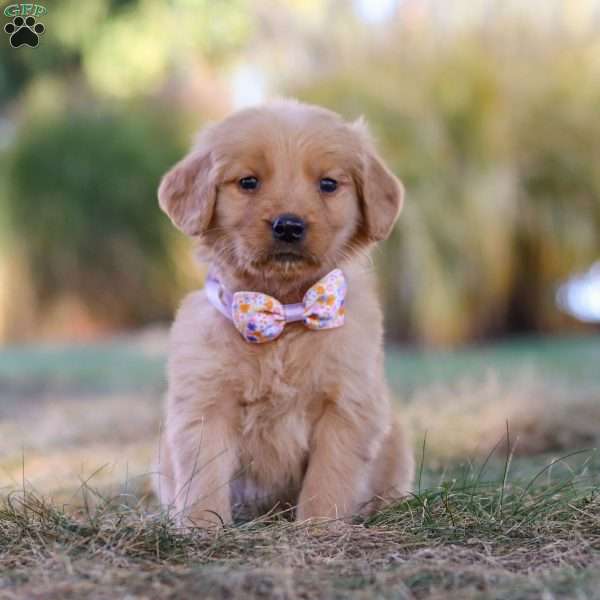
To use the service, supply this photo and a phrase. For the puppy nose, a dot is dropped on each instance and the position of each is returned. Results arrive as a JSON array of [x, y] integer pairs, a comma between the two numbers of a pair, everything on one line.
[[289, 228]]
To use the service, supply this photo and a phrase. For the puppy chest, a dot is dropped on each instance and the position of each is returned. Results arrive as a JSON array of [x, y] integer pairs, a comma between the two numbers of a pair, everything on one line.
[[278, 403], [274, 438]]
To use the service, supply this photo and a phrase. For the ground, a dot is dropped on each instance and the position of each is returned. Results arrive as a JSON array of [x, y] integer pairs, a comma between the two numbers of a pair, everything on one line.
[[506, 502]]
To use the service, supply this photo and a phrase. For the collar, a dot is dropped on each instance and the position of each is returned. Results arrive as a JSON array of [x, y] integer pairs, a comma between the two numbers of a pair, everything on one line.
[[261, 318]]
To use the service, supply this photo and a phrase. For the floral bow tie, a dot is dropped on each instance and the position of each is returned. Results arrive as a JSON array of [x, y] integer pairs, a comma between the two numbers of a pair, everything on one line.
[[261, 318]]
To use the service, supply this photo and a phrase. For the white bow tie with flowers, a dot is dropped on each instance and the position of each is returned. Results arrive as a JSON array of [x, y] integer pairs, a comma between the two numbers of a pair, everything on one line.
[[261, 318]]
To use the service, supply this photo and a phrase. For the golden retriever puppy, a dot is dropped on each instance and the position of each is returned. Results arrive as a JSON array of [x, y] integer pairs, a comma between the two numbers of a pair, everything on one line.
[[276, 392]]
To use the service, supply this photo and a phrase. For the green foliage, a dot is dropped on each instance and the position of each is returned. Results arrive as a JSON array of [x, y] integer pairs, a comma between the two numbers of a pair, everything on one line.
[[83, 195], [498, 150], [86, 146], [493, 128], [127, 48]]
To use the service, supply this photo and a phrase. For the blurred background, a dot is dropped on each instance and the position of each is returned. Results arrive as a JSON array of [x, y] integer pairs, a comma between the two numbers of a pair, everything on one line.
[[487, 110]]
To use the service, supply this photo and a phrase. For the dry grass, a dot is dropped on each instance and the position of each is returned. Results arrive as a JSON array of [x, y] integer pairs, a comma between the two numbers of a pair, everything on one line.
[[466, 418], [76, 519], [468, 538], [57, 443]]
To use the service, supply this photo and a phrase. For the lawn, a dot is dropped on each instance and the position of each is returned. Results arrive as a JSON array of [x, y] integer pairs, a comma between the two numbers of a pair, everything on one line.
[[506, 502]]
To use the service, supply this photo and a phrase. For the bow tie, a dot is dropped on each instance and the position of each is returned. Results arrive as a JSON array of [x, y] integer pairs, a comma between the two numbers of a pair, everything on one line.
[[261, 318]]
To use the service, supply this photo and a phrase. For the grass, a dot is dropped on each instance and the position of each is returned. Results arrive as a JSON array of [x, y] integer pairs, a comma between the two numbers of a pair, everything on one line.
[[128, 363], [488, 519], [570, 359], [469, 537]]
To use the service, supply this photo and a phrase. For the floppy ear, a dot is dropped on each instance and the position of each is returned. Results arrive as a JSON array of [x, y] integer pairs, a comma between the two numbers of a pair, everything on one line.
[[381, 192], [188, 191]]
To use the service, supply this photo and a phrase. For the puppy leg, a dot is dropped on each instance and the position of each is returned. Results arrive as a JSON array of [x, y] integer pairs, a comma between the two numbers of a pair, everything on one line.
[[393, 469], [336, 481], [163, 478], [204, 456], [396, 465]]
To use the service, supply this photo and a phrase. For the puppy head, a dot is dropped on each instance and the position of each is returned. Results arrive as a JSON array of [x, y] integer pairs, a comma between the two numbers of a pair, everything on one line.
[[282, 191]]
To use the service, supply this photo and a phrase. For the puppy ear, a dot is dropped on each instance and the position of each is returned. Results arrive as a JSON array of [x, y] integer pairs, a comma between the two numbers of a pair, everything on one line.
[[187, 193], [381, 192]]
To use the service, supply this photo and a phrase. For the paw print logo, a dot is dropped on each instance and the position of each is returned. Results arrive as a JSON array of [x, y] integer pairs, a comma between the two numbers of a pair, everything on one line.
[[24, 32]]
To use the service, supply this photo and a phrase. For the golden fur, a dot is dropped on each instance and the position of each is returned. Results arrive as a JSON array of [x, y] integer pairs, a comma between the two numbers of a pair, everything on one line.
[[304, 420]]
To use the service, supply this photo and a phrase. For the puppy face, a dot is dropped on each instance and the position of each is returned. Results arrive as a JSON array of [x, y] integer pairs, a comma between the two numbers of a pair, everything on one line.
[[283, 191]]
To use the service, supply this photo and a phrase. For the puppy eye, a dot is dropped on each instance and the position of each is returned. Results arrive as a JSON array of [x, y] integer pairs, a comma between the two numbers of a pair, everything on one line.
[[328, 185], [248, 183]]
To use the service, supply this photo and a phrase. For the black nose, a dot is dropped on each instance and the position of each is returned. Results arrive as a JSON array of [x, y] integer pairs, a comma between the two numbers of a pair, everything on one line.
[[289, 228]]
